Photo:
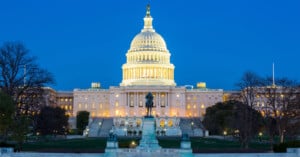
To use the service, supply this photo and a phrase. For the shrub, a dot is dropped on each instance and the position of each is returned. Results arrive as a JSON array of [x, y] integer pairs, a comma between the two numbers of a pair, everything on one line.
[[282, 146]]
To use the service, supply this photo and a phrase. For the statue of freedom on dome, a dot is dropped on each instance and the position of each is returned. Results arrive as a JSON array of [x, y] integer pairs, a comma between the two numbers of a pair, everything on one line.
[[149, 104]]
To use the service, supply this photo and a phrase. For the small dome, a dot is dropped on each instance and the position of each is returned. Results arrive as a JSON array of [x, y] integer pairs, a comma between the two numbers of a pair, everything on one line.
[[148, 41]]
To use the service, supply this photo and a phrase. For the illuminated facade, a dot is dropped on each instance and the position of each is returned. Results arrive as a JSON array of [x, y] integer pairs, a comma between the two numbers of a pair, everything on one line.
[[64, 100], [147, 69]]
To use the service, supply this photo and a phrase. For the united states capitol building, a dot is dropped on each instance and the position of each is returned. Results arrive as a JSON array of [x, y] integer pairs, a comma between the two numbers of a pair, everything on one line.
[[147, 69]]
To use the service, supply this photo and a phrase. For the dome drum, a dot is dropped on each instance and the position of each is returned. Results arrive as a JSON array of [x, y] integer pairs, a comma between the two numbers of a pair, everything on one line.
[[148, 57]]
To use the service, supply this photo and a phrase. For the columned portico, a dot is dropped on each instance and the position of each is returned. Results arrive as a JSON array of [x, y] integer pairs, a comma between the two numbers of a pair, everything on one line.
[[134, 104]]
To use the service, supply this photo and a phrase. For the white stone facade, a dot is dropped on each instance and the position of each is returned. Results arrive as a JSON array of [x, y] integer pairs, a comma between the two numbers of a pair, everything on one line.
[[130, 101]]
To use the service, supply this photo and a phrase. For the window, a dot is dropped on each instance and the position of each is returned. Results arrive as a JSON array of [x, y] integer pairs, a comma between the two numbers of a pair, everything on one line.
[[131, 103], [162, 123], [162, 104], [141, 104], [202, 106]]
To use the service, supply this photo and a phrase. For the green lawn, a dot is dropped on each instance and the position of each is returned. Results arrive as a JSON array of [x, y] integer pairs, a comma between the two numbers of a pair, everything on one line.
[[73, 145], [99, 144]]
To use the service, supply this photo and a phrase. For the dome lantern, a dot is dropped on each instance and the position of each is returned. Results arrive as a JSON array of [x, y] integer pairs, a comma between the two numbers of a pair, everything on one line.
[[148, 21]]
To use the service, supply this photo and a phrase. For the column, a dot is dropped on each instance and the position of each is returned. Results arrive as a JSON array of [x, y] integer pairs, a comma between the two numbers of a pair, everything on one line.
[[127, 99], [152, 72]]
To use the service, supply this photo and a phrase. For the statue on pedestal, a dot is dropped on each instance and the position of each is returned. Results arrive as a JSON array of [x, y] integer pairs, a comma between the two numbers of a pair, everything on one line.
[[149, 104]]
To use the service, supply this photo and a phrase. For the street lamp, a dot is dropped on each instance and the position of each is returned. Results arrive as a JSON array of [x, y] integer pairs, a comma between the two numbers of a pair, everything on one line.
[[260, 135], [224, 133], [132, 144], [192, 125]]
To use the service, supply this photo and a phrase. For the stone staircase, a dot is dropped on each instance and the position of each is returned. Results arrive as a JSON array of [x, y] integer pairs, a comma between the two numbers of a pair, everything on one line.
[[185, 126], [191, 126], [94, 127], [106, 126]]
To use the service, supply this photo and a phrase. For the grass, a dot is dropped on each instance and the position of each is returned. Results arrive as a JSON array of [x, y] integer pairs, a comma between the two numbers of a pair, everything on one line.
[[72, 145], [99, 145], [220, 145]]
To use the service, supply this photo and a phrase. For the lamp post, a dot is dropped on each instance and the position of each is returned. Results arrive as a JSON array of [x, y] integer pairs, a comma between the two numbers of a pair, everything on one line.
[[260, 135], [192, 126], [224, 133], [132, 144]]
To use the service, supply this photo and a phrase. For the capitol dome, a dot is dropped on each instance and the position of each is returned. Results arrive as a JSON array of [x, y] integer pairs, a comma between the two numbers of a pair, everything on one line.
[[148, 41], [148, 59]]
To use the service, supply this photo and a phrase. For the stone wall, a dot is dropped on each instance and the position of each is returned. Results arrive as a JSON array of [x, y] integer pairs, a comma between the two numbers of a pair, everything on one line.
[[292, 152]]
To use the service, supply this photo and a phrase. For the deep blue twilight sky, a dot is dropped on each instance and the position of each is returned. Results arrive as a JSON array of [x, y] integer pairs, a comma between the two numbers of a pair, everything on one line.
[[214, 41]]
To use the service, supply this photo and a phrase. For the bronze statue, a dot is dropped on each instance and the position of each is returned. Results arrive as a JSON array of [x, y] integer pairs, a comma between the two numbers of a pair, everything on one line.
[[149, 104]]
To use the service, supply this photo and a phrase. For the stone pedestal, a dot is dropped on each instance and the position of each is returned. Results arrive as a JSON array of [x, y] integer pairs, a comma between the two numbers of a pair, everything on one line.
[[148, 140], [185, 145], [112, 145], [149, 146]]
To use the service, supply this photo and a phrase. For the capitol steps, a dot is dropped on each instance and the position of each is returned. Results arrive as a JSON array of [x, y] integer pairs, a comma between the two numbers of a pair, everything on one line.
[[106, 126], [185, 126], [94, 127]]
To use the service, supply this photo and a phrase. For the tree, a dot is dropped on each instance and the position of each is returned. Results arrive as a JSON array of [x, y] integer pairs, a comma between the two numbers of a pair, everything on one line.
[[230, 116], [22, 79], [20, 76], [7, 111], [243, 119], [82, 120], [216, 119], [282, 105], [52, 121], [20, 130], [249, 86]]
